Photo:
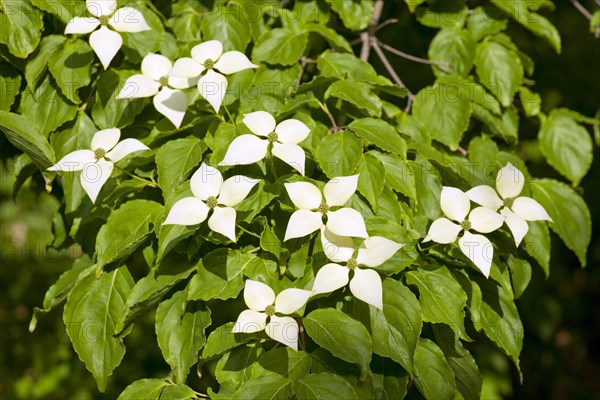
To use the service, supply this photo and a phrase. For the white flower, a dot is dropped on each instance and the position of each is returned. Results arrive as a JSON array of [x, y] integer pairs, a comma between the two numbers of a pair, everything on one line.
[[456, 205], [263, 304], [284, 138], [517, 209], [104, 41], [209, 56], [211, 193], [308, 198], [155, 81], [97, 164], [366, 283]]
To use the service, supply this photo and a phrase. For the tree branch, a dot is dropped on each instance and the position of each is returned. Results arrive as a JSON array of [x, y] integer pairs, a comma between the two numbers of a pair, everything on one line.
[[366, 36], [420, 60], [386, 63], [582, 9]]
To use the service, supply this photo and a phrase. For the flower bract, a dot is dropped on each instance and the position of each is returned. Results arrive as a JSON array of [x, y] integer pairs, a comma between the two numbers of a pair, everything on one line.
[[456, 206], [104, 41], [209, 61], [283, 138], [313, 207], [97, 164], [263, 306], [212, 193], [516, 209]]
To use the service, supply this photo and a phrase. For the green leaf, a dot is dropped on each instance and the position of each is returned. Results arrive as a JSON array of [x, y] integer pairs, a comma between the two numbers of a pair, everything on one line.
[[339, 154], [228, 24], [532, 102], [371, 178], [443, 13], [445, 110], [486, 20], [38, 62], [395, 330], [534, 22], [108, 112], [433, 375], [180, 332], [47, 105], [10, 83], [389, 380], [429, 187], [595, 24], [170, 236], [59, 291], [342, 335], [356, 93], [379, 133], [71, 67], [324, 386], [270, 242], [344, 65], [280, 46], [537, 244], [355, 14], [467, 376], [566, 145], [136, 45], [270, 387], [235, 367], [335, 40], [456, 48], [219, 275], [500, 319], [413, 4], [156, 389], [125, 229], [283, 361], [520, 274], [149, 290], [92, 309], [223, 339], [499, 69], [175, 160], [64, 10], [442, 298], [398, 174], [25, 135], [572, 219], [22, 27]]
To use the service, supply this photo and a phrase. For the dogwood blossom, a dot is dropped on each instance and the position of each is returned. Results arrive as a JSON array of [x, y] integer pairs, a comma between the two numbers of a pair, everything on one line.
[[209, 56], [311, 208], [105, 42], [97, 164], [283, 138], [212, 193], [366, 283], [156, 81], [456, 206], [263, 304], [516, 209]]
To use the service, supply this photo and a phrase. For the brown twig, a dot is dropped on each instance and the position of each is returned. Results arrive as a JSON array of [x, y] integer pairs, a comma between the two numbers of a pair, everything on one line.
[[386, 63], [413, 58], [582, 9], [366, 36]]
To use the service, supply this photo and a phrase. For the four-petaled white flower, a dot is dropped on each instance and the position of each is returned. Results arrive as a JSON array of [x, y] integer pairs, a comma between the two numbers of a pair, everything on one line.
[[212, 193], [263, 304], [456, 205], [366, 283], [155, 80], [517, 209], [283, 138], [105, 42], [97, 164], [308, 198], [209, 56]]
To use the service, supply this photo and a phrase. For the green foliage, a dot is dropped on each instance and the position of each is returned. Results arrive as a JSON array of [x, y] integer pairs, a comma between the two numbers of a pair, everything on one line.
[[147, 255]]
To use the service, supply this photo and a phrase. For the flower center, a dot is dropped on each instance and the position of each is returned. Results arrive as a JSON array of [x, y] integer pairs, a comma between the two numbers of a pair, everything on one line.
[[352, 263], [272, 137], [466, 224], [324, 208], [103, 20], [508, 202], [163, 80], [270, 310], [211, 202], [209, 64], [99, 153]]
